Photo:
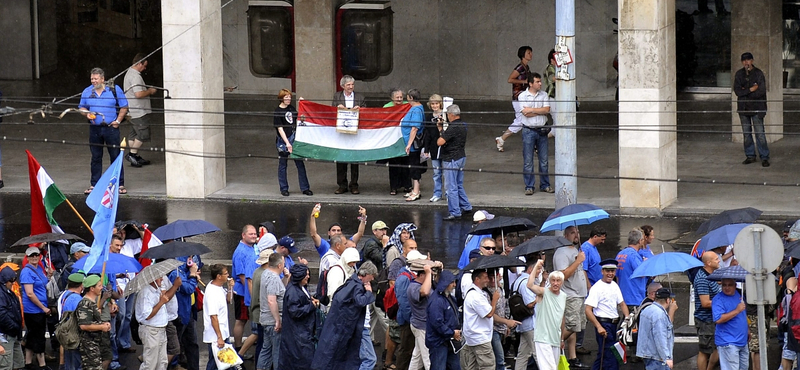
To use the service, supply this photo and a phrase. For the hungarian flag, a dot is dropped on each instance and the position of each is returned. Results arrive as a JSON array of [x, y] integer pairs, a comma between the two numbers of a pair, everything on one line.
[[148, 241], [45, 197], [378, 136], [619, 352]]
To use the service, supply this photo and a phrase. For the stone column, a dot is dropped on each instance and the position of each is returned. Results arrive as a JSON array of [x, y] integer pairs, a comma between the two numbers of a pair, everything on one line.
[[193, 75], [314, 49], [647, 140], [757, 27]]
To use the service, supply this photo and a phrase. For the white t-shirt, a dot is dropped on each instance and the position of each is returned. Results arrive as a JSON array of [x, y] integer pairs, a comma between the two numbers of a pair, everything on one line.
[[477, 328], [172, 305], [130, 248], [215, 303], [605, 299]]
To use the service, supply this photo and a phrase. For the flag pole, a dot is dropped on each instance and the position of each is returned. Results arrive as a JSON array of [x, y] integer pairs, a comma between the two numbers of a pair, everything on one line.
[[79, 216]]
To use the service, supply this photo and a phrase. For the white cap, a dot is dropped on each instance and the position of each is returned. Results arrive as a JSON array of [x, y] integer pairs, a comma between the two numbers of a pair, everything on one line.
[[415, 255]]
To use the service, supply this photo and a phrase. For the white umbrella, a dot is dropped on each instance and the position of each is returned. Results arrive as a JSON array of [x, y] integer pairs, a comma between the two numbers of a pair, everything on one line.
[[149, 274]]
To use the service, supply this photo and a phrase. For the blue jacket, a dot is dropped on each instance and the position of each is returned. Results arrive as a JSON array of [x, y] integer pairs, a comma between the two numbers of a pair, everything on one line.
[[443, 317], [656, 338], [10, 312], [401, 292], [184, 293], [297, 330]]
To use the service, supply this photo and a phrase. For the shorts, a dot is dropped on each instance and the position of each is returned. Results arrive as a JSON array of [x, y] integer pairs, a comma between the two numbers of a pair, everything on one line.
[[575, 314], [13, 359], [240, 311], [36, 323], [787, 354], [705, 336], [105, 347], [173, 343], [140, 129], [394, 330]]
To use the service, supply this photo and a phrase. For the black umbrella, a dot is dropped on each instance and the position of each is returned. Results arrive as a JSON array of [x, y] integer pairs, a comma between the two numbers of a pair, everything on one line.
[[747, 215], [175, 249], [538, 244], [503, 224], [493, 261], [130, 228], [793, 249], [45, 238]]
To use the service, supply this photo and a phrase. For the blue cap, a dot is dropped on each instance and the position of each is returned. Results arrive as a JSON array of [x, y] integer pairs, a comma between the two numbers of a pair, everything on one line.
[[288, 243], [79, 247]]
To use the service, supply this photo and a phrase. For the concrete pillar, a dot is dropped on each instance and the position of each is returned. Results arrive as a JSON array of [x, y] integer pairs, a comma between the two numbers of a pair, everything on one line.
[[647, 140], [757, 27], [314, 50], [193, 74]]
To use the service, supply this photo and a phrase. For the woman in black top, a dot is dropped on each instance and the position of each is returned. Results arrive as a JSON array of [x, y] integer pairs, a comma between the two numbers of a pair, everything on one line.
[[285, 123], [432, 120]]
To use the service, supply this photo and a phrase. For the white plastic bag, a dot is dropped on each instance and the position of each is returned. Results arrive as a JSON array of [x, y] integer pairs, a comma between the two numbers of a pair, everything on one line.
[[221, 365]]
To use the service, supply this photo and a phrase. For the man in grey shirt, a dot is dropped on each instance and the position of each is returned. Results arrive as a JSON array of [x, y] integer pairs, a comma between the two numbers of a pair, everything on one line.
[[272, 291], [138, 95], [569, 260]]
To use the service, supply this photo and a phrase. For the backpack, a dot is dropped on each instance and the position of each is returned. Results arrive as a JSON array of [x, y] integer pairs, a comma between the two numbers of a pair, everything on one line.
[[390, 299], [630, 327], [68, 332], [322, 286], [381, 286], [519, 310]]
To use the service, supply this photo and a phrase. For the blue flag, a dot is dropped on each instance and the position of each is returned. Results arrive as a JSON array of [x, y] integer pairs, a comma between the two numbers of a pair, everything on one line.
[[103, 200]]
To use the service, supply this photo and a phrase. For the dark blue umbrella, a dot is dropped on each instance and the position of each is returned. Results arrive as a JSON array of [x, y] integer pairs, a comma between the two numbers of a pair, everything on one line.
[[732, 216], [538, 244], [117, 264], [503, 224], [573, 215], [722, 236], [665, 263], [184, 229], [737, 273]]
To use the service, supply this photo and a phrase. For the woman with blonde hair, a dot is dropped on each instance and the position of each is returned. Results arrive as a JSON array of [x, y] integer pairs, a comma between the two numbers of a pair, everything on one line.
[[285, 123], [430, 149]]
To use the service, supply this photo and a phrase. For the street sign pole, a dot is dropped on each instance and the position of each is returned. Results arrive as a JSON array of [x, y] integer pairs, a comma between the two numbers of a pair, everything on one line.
[[759, 278]]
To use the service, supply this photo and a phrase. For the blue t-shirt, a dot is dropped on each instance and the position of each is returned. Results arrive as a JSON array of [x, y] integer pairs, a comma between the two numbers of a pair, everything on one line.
[[412, 119], [244, 263], [71, 302], [734, 331], [633, 289], [703, 286], [324, 247], [104, 103], [646, 252], [473, 242], [36, 277], [592, 262]]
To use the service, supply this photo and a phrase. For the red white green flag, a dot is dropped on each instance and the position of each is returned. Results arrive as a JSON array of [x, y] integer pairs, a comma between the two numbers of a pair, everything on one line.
[[45, 197], [619, 352], [378, 136]]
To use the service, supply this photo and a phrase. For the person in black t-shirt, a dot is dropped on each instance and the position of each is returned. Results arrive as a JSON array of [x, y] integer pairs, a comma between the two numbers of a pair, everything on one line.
[[285, 122], [452, 142]]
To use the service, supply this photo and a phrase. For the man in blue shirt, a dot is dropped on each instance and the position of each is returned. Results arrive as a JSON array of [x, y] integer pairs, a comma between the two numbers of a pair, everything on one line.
[[633, 290], [323, 245], [704, 292], [99, 104], [68, 301], [656, 337], [592, 262], [244, 263], [731, 332]]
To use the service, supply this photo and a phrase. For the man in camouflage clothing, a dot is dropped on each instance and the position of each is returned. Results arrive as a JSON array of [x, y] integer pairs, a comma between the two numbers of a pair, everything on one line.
[[95, 346]]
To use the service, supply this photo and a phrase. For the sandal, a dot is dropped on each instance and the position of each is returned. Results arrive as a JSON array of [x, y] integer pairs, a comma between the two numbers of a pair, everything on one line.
[[412, 197], [390, 367], [122, 190], [88, 191], [393, 192]]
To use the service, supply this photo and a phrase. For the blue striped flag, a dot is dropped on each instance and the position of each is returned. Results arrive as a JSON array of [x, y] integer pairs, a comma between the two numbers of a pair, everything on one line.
[[104, 200]]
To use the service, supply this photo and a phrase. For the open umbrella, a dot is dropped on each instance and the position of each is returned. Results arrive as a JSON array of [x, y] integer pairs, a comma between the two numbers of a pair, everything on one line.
[[130, 227], [45, 238], [184, 229], [175, 249], [722, 236], [665, 263], [793, 249], [538, 244], [149, 274], [736, 272], [504, 224], [493, 261], [732, 216], [573, 215], [117, 264]]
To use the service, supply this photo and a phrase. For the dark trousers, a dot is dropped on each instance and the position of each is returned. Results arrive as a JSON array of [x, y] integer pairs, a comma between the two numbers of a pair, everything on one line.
[[406, 347], [398, 176], [443, 358], [341, 175], [99, 136], [188, 340], [604, 345]]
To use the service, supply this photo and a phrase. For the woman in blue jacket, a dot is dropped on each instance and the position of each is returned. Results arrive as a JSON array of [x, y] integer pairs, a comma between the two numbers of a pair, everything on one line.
[[443, 324]]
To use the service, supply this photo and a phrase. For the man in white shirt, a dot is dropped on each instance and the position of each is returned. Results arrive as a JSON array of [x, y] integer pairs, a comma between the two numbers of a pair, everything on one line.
[[215, 311], [477, 353], [534, 106], [525, 329], [602, 309], [153, 318]]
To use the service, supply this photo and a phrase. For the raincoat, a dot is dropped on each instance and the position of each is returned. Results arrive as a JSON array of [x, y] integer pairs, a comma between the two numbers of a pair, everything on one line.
[[443, 317], [298, 324]]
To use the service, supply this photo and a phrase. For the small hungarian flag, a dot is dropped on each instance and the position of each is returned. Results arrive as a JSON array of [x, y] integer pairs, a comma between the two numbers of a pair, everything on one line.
[[45, 197], [620, 352], [148, 241]]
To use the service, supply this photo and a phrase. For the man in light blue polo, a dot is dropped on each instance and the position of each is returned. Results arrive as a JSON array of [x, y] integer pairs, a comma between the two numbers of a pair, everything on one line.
[[99, 103]]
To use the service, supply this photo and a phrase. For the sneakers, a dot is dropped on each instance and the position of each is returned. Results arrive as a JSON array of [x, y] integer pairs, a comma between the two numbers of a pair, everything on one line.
[[500, 142], [749, 160], [529, 191], [285, 193], [141, 160], [134, 161], [764, 163], [435, 199], [548, 190]]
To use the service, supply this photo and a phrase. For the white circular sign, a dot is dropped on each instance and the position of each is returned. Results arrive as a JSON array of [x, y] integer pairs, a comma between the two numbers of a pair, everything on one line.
[[771, 247]]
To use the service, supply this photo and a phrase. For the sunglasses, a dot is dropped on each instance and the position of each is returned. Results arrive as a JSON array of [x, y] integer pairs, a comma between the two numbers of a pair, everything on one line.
[[34, 255], [488, 248]]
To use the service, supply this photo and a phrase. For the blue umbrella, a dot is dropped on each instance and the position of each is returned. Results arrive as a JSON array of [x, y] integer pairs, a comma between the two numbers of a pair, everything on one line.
[[117, 264], [573, 215], [722, 236], [184, 229], [737, 273], [665, 263]]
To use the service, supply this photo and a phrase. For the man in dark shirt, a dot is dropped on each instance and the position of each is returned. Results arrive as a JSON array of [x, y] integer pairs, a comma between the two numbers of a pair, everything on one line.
[[453, 141], [704, 292], [750, 88], [349, 99]]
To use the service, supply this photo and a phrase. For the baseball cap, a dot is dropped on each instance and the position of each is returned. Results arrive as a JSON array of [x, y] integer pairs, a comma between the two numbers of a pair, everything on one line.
[[32, 250], [379, 225], [79, 247], [415, 255], [288, 243], [482, 215], [663, 293], [747, 56]]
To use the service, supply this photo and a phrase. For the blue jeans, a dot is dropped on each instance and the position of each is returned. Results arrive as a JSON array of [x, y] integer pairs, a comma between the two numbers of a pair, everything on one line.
[[437, 177], [367, 352], [301, 174], [733, 357], [497, 347], [443, 358], [607, 354], [99, 136], [532, 141], [457, 200], [750, 124], [124, 318], [268, 356], [72, 359], [650, 364]]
